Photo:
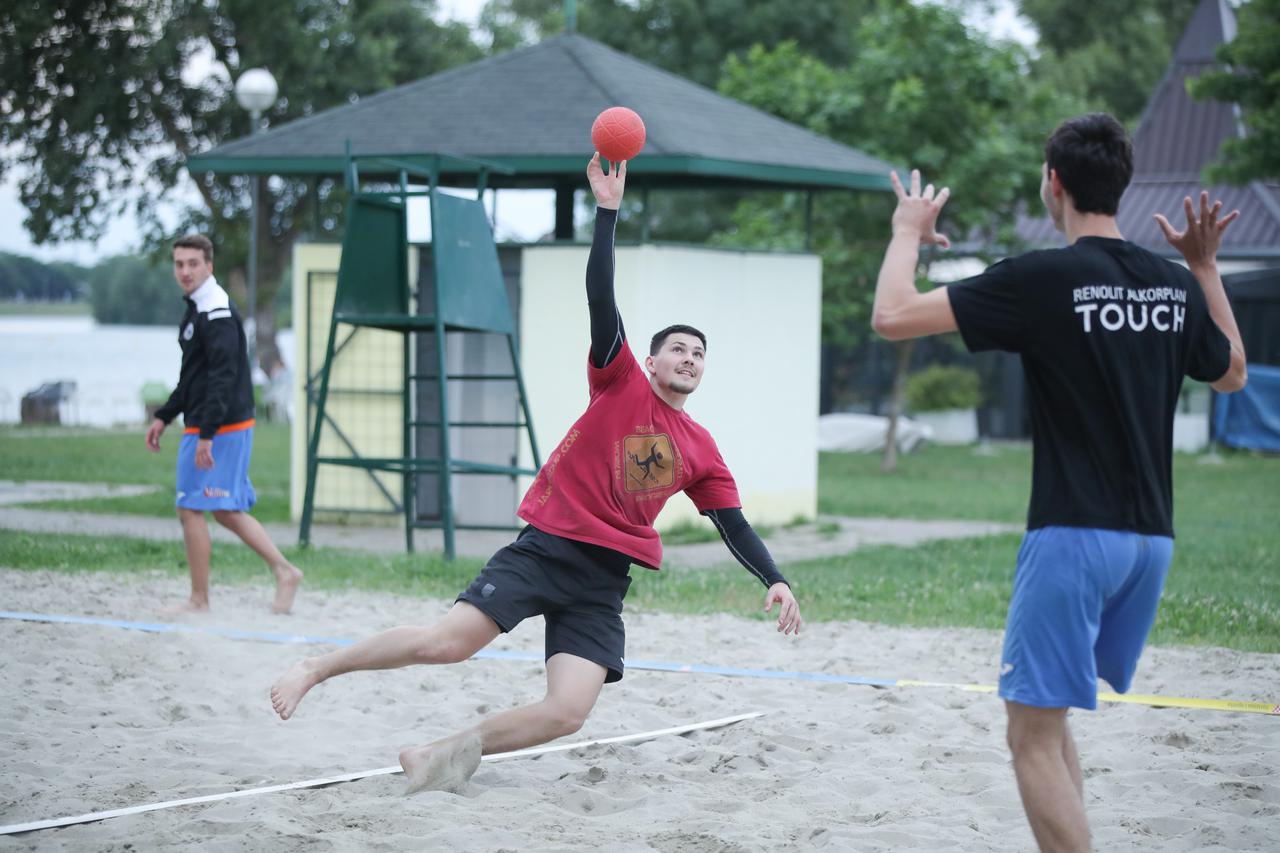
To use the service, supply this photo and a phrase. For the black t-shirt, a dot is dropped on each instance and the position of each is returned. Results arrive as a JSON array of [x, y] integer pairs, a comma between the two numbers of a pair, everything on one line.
[[1106, 331]]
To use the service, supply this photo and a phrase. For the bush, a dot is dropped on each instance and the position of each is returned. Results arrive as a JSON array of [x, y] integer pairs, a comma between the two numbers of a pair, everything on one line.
[[937, 388]]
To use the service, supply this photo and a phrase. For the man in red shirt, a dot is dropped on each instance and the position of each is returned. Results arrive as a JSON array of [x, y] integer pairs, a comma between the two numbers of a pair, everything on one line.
[[590, 511]]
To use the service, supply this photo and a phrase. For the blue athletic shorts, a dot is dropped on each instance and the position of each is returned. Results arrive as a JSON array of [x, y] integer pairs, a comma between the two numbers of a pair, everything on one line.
[[1083, 603], [224, 486]]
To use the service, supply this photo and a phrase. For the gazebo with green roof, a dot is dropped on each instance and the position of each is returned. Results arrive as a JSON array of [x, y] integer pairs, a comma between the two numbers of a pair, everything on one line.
[[529, 111], [521, 120]]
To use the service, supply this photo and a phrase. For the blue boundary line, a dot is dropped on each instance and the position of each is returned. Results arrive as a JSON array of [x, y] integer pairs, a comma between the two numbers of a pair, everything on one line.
[[489, 654]]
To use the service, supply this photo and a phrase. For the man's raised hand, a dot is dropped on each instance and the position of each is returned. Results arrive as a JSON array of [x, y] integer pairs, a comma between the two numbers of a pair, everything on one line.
[[917, 212], [1199, 243], [608, 188]]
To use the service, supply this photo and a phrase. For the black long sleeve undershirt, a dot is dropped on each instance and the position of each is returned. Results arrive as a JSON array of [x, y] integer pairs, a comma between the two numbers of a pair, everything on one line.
[[745, 544], [607, 334]]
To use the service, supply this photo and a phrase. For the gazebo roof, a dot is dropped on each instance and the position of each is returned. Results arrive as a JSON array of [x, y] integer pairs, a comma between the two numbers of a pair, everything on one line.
[[530, 110], [1176, 138]]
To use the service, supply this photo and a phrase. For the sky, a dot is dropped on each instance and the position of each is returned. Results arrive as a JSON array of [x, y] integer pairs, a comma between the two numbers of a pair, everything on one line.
[[522, 215]]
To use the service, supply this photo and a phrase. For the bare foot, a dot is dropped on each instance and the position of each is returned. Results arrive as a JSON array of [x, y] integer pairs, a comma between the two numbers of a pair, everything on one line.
[[288, 579], [289, 688], [445, 765], [184, 608]]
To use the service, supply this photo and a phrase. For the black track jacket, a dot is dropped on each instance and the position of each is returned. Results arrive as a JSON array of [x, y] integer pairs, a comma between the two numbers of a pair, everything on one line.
[[214, 388]]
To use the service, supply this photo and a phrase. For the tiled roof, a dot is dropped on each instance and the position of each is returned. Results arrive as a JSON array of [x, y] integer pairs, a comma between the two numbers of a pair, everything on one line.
[[1176, 138], [1255, 235]]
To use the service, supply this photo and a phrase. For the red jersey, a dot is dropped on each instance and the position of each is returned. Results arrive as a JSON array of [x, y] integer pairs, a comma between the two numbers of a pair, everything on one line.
[[607, 480]]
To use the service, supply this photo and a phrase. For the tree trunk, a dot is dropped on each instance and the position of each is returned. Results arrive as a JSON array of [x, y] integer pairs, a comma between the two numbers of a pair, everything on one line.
[[271, 269], [269, 358], [273, 258], [904, 350]]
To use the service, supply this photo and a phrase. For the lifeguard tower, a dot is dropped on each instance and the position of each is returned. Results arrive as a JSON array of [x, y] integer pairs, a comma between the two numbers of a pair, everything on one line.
[[461, 293]]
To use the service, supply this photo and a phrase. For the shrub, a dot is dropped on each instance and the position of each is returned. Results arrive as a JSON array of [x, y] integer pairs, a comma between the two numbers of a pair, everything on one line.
[[939, 387]]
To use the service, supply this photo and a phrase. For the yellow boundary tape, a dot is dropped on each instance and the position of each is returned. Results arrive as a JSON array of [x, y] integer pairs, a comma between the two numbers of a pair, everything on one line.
[[1130, 698]]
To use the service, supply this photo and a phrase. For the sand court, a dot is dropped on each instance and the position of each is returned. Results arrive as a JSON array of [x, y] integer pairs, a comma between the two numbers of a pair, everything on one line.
[[97, 718]]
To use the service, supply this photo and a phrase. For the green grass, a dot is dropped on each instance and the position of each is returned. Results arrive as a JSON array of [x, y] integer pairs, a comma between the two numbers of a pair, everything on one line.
[[932, 482], [326, 568], [967, 583], [1223, 588], [1225, 577], [45, 309], [962, 583], [695, 531], [272, 506], [119, 456], [690, 532]]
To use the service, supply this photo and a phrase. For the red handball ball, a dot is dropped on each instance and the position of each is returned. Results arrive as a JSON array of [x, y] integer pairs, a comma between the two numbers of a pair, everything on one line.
[[618, 134]]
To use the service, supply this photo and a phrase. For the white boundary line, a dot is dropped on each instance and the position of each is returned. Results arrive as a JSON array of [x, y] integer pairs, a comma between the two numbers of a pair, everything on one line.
[[363, 774]]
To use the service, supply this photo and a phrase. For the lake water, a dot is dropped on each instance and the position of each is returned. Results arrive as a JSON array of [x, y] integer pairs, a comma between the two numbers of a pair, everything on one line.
[[108, 364]]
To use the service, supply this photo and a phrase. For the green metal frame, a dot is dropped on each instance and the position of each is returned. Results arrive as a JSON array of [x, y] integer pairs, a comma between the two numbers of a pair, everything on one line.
[[447, 315], [676, 170]]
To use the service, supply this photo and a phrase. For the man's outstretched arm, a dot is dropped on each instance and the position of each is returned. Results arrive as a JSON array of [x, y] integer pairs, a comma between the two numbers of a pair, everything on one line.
[[748, 549], [607, 333], [900, 310]]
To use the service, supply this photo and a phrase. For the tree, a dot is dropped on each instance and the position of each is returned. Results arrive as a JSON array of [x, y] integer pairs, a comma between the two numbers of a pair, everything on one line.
[[129, 289], [1111, 51], [690, 38], [100, 104], [922, 91], [26, 279], [686, 37], [1252, 80]]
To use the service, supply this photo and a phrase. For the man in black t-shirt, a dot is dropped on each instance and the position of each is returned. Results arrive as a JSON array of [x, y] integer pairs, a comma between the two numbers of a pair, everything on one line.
[[1106, 332]]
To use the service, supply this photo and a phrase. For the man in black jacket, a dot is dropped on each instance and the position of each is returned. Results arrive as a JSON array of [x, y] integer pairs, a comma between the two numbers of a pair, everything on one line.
[[215, 398]]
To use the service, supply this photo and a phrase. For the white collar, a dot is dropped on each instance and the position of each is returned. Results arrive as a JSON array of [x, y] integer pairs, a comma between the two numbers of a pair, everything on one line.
[[210, 296]]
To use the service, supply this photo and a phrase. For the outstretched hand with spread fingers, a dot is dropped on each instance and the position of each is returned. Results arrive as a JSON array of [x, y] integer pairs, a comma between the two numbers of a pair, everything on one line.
[[608, 188], [917, 212], [1200, 242]]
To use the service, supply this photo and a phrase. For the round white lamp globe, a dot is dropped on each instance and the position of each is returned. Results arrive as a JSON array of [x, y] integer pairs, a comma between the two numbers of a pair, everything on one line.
[[256, 90]]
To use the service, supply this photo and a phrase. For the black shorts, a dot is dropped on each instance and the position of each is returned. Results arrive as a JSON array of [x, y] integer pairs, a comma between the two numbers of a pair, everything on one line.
[[577, 587]]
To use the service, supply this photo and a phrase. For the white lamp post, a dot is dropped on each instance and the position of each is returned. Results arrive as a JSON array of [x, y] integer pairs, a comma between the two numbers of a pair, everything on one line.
[[256, 91]]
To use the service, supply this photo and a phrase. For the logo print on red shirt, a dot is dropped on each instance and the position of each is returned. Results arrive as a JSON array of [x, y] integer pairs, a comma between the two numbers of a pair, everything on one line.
[[650, 462]]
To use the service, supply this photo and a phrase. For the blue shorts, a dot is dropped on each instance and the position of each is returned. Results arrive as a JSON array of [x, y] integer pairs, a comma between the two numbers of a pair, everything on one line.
[[224, 486], [1083, 603]]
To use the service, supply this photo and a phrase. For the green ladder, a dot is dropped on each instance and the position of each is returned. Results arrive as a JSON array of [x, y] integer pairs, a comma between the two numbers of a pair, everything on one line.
[[373, 291]]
